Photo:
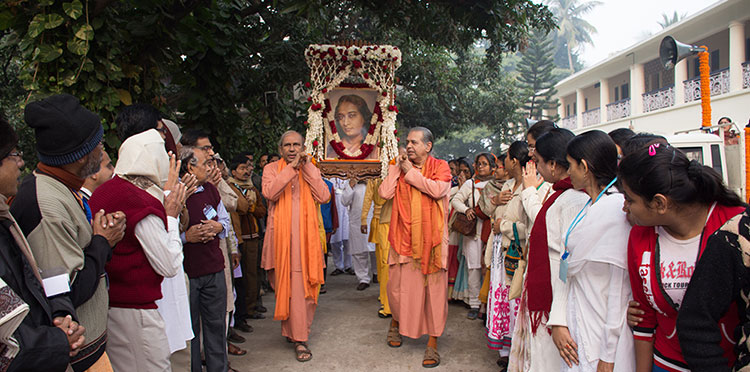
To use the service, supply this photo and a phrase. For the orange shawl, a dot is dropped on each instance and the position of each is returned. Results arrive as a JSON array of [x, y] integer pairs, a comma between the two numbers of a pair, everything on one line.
[[311, 253], [417, 220]]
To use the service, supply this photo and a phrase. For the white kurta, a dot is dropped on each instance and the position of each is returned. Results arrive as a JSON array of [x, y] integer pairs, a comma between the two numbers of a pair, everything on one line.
[[342, 233], [353, 199]]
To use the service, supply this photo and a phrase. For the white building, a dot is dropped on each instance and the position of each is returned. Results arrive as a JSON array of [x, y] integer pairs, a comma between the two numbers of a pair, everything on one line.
[[632, 89]]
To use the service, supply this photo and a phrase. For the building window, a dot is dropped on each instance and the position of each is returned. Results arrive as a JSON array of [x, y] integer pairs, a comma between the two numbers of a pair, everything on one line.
[[696, 67], [655, 81], [714, 61], [585, 104], [747, 49], [567, 110], [625, 91], [617, 94]]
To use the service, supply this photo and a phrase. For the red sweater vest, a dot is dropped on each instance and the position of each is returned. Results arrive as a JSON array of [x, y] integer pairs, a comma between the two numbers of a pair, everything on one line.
[[659, 320], [203, 258], [133, 283]]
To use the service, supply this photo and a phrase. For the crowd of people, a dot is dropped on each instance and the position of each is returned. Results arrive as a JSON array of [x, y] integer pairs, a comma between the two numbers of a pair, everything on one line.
[[590, 252]]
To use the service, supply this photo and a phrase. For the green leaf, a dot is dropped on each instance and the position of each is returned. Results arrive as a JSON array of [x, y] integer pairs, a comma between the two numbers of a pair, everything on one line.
[[125, 97], [78, 47], [53, 20], [73, 9], [6, 20], [36, 26], [85, 32], [47, 53], [46, 2]]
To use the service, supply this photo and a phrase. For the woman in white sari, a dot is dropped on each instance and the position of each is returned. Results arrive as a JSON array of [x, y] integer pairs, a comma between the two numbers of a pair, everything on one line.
[[594, 264]]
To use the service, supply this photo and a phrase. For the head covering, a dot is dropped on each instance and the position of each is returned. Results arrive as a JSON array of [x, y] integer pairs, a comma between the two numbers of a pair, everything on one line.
[[143, 155], [8, 138], [174, 129], [65, 130]]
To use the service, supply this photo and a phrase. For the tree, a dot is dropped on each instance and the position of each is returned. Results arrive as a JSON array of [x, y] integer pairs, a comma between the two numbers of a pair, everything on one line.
[[536, 78], [231, 66], [470, 143], [572, 27], [667, 21]]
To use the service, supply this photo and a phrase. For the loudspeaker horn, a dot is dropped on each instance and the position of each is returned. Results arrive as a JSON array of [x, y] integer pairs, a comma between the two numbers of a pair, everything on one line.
[[672, 51]]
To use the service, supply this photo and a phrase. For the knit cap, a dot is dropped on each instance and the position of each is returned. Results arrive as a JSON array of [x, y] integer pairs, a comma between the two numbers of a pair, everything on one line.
[[65, 130]]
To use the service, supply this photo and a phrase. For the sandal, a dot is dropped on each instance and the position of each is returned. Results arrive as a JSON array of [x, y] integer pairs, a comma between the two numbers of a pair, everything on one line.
[[303, 354], [502, 362], [394, 338], [235, 350], [431, 354]]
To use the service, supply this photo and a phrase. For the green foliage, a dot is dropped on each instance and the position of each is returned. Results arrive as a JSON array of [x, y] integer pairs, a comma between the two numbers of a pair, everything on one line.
[[575, 30], [667, 21], [536, 78], [231, 66], [470, 142]]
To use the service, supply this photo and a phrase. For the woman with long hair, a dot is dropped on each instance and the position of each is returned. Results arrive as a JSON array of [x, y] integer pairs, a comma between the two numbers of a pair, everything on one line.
[[465, 201], [594, 264], [509, 227], [544, 294], [676, 204]]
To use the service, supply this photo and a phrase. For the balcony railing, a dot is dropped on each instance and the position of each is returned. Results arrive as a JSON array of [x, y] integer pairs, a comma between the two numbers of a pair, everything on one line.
[[569, 122], [746, 75], [658, 99], [591, 117], [719, 82], [618, 109]]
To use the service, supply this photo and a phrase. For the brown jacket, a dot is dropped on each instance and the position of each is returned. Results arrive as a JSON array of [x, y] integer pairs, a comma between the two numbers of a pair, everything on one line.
[[245, 217]]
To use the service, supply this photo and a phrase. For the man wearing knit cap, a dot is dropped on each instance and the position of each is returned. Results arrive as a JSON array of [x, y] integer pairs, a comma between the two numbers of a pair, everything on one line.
[[70, 243], [34, 339]]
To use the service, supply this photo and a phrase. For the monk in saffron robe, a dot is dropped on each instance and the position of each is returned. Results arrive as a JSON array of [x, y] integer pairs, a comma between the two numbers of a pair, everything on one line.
[[417, 275], [292, 250]]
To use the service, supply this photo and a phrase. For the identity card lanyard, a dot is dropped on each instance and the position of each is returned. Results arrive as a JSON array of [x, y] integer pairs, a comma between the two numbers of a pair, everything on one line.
[[579, 217]]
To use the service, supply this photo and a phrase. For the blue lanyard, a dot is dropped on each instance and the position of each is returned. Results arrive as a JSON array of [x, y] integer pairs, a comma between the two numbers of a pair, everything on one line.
[[581, 215]]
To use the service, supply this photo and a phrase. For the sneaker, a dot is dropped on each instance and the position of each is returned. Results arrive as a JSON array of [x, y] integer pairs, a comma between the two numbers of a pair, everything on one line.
[[362, 286], [472, 314], [337, 272]]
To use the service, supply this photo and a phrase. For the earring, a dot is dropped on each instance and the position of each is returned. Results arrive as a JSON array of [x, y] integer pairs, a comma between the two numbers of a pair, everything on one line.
[[553, 172]]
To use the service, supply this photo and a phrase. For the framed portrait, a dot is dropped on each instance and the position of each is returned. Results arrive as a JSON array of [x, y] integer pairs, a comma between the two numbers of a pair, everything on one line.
[[352, 114]]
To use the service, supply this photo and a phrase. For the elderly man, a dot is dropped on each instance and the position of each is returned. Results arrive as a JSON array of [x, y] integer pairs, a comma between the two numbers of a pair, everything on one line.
[[417, 275], [208, 223], [292, 251], [70, 243], [150, 251], [34, 327]]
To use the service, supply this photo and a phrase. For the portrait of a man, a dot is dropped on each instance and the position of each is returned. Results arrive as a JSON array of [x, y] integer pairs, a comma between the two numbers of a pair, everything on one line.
[[352, 113]]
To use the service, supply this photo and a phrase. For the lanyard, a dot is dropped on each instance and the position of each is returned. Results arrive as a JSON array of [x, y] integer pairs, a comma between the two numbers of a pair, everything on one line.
[[581, 215]]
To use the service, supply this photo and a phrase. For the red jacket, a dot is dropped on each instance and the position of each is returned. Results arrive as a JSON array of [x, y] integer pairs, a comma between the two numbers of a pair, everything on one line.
[[659, 320]]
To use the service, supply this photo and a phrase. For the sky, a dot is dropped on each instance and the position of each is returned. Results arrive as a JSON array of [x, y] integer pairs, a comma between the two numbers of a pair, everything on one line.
[[622, 23]]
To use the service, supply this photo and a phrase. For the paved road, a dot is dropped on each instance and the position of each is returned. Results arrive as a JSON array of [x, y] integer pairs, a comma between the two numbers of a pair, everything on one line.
[[347, 335]]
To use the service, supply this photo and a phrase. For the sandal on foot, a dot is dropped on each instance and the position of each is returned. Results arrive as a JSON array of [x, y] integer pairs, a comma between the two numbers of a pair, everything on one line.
[[394, 338], [502, 362], [235, 350], [431, 354], [303, 354]]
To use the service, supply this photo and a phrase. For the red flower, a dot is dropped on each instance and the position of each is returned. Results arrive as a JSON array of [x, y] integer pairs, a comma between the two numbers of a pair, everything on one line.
[[395, 59], [307, 84], [309, 99], [306, 123], [325, 90], [331, 51], [366, 75], [315, 143], [325, 63], [385, 94], [316, 106], [393, 108], [356, 52], [383, 50], [322, 55], [343, 58], [357, 64], [395, 131]]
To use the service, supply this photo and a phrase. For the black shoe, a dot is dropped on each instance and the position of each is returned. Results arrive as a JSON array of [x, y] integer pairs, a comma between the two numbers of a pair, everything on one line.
[[350, 271], [261, 309], [242, 327], [234, 337], [256, 316], [337, 272], [472, 314], [323, 289], [362, 286], [375, 279]]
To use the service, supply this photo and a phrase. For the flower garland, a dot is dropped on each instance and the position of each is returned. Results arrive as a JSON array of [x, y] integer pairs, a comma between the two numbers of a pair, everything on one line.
[[705, 87], [329, 66]]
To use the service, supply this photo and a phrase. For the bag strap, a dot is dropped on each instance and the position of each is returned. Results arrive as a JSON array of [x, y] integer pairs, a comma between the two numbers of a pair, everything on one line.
[[517, 240], [473, 202]]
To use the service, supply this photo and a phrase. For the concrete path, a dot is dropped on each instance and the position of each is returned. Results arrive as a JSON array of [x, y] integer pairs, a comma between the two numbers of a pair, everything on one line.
[[347, 335]]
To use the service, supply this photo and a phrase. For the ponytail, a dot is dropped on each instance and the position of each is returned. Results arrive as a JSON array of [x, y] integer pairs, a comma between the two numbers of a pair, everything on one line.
[[663, 169], [519, 150]]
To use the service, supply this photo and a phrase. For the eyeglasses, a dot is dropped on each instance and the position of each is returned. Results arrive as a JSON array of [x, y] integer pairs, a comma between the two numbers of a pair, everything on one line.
[[163, 130], [206, 148], [17, 154]]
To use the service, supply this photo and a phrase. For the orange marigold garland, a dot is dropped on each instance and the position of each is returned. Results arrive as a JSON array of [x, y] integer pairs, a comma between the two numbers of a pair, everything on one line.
[[705, 87]]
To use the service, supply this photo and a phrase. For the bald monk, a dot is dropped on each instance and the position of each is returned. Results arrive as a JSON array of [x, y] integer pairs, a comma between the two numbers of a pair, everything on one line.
[[292, 251], [417, 274]]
